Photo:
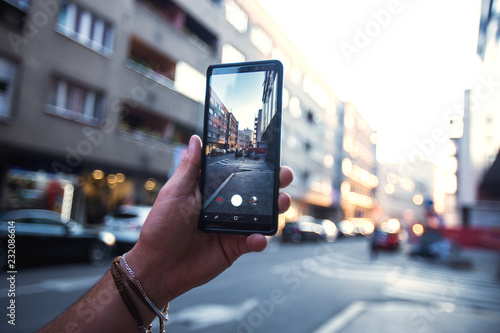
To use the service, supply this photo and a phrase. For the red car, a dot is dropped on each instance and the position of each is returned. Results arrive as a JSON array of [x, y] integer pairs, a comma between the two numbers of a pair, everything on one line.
[[382, 240]]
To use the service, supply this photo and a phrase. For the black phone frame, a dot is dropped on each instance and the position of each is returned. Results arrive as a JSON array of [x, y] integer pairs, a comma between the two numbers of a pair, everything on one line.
[[245, 228]]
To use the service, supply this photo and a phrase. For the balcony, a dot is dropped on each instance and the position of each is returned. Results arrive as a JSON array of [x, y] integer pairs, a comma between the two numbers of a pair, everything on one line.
[[150, 63], [13, 13], [181, 21], [143, 125]]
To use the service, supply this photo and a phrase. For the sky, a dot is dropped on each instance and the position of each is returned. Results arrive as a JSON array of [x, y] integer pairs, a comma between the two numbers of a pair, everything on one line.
[[404, 64], [241, 94]]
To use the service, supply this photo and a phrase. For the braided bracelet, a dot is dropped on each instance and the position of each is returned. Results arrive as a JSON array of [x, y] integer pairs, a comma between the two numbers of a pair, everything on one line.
[[162, 315], [122, 290]]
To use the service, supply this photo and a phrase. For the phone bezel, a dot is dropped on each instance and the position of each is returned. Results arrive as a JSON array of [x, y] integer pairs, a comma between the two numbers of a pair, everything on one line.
[[245, 228]]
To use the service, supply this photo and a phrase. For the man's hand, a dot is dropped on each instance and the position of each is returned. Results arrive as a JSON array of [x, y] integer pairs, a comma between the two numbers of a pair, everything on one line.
[[172, 256]]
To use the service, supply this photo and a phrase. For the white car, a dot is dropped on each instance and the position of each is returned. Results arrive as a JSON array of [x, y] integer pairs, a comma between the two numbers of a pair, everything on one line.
[[127, 217]]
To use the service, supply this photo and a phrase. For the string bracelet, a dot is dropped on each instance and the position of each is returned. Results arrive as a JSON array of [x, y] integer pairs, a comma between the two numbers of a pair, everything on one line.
[[122, 290], [137, 287]]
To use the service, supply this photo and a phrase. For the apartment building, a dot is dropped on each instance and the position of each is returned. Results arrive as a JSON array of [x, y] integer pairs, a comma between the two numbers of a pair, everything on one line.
[[99, 98], [357, 178], [407, 194], [475, 152]]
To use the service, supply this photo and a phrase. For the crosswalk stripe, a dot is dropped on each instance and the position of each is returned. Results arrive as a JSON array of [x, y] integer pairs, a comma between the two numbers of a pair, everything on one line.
[[412, 280]]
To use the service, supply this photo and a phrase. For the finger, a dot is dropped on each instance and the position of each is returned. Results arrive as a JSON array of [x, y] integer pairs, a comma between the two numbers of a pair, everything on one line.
[[286, 176], [256, 243], [284, 202]]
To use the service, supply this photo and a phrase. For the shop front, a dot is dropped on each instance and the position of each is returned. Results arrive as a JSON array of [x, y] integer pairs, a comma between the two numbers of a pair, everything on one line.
[[86, 195]]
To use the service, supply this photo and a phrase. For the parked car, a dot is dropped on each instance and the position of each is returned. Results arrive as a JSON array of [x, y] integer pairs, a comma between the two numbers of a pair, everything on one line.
[[217, 152], [308, 228], [40, 235], [127, 217]]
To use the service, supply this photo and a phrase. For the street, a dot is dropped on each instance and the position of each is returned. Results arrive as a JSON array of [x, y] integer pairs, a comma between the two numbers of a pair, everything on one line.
[[308, 287], [248, 178]]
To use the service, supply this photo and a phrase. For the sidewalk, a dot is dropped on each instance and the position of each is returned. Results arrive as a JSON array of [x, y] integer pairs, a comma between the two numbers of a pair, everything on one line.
[[482, 261], [251, 165], [447, 311]]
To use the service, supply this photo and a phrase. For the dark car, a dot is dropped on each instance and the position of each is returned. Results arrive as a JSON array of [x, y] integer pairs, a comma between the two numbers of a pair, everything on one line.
[[432, 244], [383, 240], [40, 235], [308, 228]]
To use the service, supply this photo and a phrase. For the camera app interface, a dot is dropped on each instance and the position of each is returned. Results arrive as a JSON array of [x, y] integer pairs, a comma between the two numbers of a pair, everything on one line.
[[240, 146]]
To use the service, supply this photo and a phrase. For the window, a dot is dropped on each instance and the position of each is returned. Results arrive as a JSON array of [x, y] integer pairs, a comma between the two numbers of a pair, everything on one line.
[[217, 2], [236, 16], [308, 84], [261, 40], [85, 28], [74, 102], [495, 7], [310, 117], [7, 76], [190, 82], [294, 107]]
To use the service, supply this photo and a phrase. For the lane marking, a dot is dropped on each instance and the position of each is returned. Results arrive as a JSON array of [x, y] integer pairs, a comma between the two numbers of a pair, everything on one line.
[[341, 320], [216, 193], [203, 316]]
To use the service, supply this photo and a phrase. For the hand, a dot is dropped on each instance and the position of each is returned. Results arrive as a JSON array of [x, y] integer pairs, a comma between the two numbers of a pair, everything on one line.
[[172, 255]]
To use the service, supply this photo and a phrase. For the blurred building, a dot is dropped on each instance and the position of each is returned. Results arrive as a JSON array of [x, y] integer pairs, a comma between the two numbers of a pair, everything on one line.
[[356, 178], [245, 138], [405, 192], [99, 98], [474, 187], [232, 131]]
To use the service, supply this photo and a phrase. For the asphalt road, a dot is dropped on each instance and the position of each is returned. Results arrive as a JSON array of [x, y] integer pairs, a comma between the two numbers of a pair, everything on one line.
[[247, 181], [309, 287], [221, 167]]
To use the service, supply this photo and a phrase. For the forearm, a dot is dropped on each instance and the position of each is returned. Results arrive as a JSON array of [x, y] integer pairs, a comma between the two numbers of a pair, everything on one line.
[[101, 309]]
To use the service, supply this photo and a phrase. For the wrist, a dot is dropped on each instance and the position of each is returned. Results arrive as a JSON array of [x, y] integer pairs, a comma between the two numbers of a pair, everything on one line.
[[150, 276]]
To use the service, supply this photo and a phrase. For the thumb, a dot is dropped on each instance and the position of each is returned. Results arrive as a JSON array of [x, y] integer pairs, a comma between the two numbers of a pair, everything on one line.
[[188, 171]]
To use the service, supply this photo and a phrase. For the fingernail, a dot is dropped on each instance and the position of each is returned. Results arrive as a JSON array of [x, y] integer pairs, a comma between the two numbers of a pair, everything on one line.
[[190, 145], [191, 142]]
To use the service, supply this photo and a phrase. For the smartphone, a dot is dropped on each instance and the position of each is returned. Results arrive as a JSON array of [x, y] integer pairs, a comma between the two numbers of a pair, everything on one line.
[[241, 148]]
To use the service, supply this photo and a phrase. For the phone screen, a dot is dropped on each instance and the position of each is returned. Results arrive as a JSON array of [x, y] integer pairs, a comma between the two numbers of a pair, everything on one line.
[[241, 148]]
